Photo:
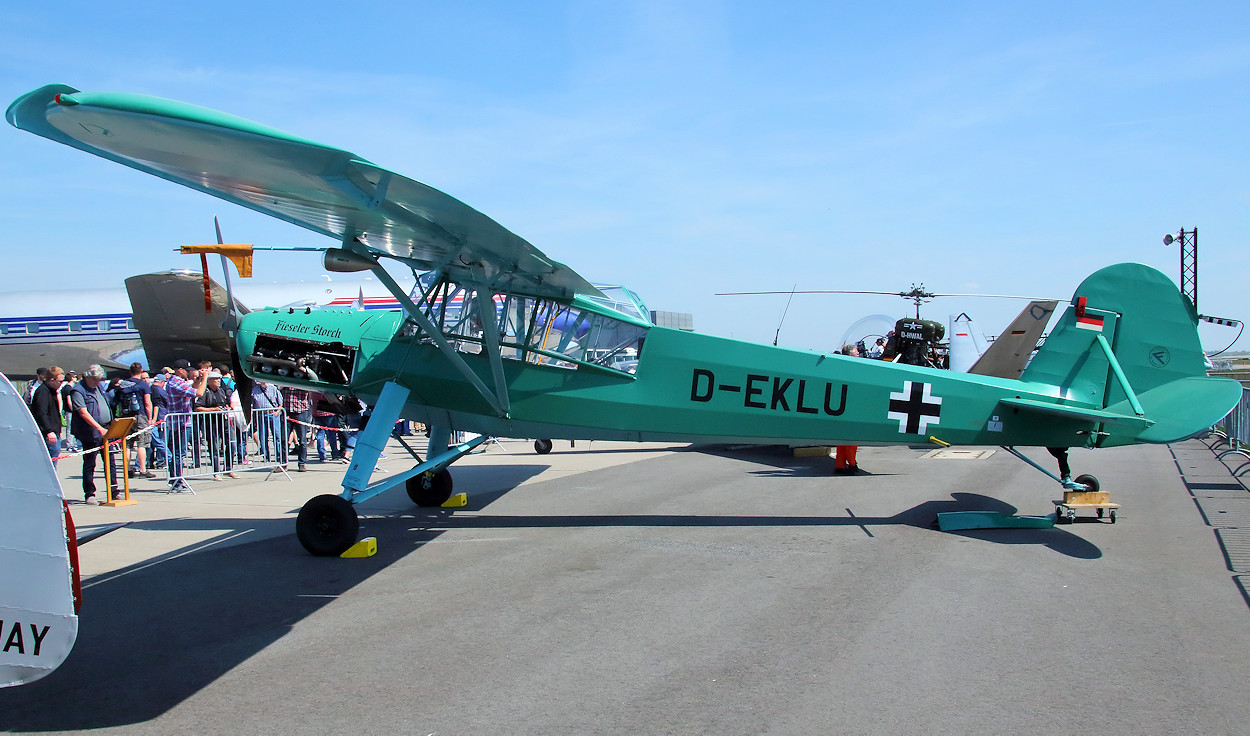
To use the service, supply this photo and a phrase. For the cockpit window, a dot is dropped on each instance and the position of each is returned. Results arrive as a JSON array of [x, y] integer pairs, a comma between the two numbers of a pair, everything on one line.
[[534, 330]]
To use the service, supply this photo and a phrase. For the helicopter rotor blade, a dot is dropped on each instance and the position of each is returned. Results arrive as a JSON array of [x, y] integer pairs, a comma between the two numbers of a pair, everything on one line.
[[904, 294], [817, 291]]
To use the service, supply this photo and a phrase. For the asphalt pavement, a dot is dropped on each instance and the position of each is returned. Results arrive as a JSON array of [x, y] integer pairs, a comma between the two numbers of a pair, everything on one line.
[[624, 589]]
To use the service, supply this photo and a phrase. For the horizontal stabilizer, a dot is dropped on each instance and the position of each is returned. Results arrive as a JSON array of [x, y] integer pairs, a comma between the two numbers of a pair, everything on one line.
[[1186, 407], [1079, 412], [96, 532]]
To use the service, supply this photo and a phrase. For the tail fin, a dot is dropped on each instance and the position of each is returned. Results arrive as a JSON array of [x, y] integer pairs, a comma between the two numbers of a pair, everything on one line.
[[1152, 366], [1009, 354]]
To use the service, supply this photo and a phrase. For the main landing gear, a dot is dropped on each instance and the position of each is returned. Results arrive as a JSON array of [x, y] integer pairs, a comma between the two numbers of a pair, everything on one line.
[[327, 525], [431, 488]]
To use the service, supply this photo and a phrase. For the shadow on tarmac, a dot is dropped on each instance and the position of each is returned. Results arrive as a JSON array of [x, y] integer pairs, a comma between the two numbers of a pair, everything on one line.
[[921, 516], [154, 634]]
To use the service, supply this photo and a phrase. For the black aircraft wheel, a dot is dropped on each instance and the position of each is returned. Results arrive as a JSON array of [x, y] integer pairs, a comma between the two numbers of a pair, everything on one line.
[[1089, 481], [327, 525], [542, 447], [429, 489]]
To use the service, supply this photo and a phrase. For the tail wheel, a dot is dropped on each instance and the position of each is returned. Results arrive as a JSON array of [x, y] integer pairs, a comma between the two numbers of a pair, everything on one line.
[[429, 489], [327, 525], [542, 447], [1089, 481]]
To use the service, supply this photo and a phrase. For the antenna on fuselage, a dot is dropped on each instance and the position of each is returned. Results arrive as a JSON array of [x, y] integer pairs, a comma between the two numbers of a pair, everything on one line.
[[784, 312]]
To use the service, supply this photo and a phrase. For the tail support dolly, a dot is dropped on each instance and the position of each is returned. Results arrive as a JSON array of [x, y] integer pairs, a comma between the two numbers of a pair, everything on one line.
[[1080, 492]]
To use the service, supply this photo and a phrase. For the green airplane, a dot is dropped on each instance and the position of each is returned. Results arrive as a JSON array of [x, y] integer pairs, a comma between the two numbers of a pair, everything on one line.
[[500, 340]]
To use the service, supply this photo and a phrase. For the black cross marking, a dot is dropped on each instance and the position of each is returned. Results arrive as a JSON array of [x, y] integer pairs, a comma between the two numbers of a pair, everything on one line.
[[914, 406]]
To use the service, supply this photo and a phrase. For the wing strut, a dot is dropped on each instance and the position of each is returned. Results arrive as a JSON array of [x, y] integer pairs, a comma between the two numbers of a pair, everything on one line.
[[414, 312], [490, 337]]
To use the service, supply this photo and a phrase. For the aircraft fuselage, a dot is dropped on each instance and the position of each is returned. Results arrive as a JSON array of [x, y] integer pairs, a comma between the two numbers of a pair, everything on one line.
[[687, 387]]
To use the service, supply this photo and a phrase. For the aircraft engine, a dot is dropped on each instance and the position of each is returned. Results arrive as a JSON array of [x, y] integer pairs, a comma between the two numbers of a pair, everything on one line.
[[915, 341], [284, 357]]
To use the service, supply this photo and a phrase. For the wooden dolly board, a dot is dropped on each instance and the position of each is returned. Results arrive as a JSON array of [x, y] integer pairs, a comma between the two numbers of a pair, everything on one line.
[[1065, 510]]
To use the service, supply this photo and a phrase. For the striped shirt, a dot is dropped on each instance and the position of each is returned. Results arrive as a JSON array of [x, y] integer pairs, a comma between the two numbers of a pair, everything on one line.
[[181, 396]]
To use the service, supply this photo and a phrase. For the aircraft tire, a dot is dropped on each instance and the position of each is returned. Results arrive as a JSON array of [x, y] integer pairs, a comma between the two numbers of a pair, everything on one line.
[[327, 525], [1089, 481], [430, 489], [542, 447]]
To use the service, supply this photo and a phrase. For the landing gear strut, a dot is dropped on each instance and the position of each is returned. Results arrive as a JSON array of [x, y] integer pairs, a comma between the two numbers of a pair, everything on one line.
[[327, 525], [1079, 492]]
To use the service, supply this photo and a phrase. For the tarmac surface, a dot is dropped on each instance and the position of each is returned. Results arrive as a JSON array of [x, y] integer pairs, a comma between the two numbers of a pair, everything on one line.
[[616, 588]]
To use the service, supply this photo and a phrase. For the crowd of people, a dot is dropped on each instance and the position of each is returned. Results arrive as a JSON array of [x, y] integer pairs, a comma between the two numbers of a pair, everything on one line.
[[75, 413]]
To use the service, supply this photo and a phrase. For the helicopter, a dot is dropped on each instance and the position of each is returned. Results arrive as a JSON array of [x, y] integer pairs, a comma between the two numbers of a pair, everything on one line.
[[914, 340]]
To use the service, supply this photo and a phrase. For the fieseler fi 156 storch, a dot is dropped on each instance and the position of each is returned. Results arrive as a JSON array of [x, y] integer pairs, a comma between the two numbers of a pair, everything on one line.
[[500, 340]]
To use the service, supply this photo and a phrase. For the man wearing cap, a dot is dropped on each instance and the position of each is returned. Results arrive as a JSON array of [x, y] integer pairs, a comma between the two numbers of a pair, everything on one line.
[[214, 398], [92, 414], [182, 387], [160, 407]]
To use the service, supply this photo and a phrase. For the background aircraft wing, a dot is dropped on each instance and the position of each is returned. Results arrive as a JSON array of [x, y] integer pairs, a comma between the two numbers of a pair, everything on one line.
[[168, 312], [325, 189], [1008, 355], [36, 581]]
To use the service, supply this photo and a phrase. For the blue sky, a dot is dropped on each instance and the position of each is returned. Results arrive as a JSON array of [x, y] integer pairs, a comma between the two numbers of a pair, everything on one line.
[[689, 148]]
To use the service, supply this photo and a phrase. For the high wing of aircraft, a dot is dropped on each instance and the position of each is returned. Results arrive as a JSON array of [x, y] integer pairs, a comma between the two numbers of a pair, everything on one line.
[[530, 350]]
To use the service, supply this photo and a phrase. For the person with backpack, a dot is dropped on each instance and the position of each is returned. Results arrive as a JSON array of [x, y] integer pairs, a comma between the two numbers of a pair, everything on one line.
[[132, 398]]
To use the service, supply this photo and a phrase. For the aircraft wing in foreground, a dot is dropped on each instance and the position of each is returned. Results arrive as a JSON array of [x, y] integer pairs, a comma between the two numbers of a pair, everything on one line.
[[504, 341], [327, 190], [38, 615]]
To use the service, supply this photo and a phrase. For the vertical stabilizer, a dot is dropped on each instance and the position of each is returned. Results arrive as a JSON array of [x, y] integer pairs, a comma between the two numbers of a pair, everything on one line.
[[1129, 344], [967, 344]]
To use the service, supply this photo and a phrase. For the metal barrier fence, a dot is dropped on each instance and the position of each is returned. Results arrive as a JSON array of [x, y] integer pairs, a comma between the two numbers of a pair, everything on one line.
[[205, 444], [1235, 427]]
